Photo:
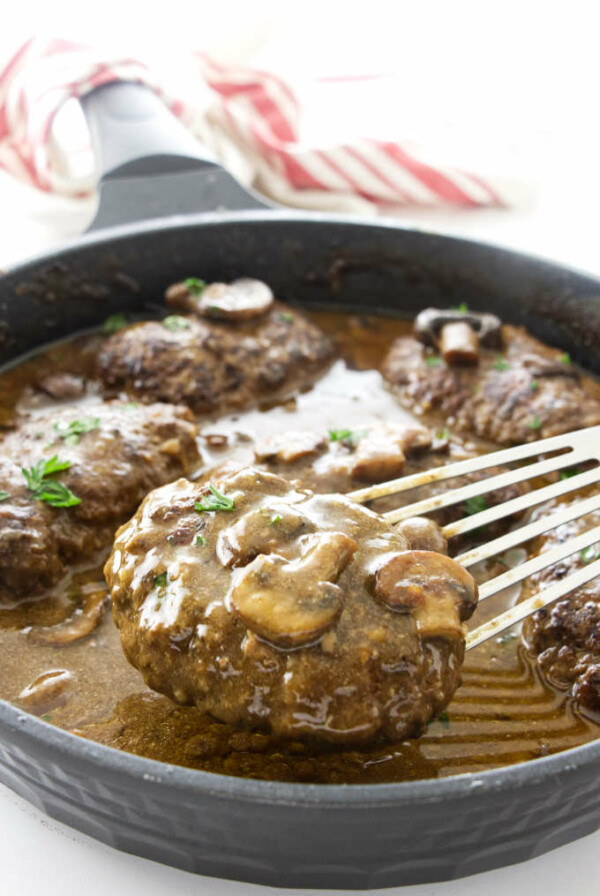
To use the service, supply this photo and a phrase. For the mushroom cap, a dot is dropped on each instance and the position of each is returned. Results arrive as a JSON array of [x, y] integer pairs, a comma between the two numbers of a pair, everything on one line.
[[430, 322]]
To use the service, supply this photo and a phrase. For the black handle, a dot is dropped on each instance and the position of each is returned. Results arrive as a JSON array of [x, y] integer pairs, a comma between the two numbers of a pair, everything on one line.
[[150, 165]]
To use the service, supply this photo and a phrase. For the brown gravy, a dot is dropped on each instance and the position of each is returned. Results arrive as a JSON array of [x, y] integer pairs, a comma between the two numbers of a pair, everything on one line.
[[504, 712]]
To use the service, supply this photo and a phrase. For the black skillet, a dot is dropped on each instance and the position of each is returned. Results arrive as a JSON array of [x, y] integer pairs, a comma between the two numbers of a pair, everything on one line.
[[335, 836]]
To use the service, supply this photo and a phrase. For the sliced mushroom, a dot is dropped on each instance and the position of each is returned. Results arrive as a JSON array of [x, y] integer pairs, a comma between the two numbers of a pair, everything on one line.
[[242, 299], [81, 624], [62, 385], [260, 532], [423, 534], [47, 691], [379, 454], [438, 592], [289, 447], [293, 603], [458, 334]]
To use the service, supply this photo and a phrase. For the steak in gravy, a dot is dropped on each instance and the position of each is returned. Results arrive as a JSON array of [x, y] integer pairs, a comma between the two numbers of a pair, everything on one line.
[[67, 480], [271, 607]]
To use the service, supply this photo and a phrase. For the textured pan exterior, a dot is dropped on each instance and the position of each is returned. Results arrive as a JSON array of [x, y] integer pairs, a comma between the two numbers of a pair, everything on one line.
[[280, 834]]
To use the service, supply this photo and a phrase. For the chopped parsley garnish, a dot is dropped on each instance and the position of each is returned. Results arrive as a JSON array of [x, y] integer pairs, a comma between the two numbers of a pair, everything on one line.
[[200, 541], [174, 323], [130, 406], [195, 286], [433, 361], [214, 502], [565, 358], [275, 520], [501, 364], [443, 435], [114, 323], [286, 317], [566, 474], [534, 385], [160, 581], [47, 717], [444, 719], [50, 490], [73, 432], [4, 496], [352, 436], [591, 553], [536, 423], [171, 539], [476, 504], [463, 308]]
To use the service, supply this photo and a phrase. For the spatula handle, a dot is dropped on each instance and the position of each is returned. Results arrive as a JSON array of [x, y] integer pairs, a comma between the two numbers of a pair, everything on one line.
[[150, 165]]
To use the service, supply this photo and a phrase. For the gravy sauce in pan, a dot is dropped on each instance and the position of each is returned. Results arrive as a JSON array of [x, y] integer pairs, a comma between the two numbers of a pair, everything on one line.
[[503, 713]]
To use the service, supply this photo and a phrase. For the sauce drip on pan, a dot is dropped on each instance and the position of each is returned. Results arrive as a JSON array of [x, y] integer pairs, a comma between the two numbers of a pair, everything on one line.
[[503, 713]]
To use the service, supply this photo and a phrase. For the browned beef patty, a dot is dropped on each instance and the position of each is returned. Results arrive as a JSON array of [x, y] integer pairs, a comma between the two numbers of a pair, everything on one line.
[[565, 636], [210, 364], [126, 451], [272, 607], [526, 392]]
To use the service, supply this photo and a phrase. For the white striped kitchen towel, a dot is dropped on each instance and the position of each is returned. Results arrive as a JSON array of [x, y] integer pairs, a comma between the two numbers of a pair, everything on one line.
[[252, 113]]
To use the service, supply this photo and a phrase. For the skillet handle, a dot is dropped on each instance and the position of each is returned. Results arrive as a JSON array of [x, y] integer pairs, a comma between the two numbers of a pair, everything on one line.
[[150, 165]]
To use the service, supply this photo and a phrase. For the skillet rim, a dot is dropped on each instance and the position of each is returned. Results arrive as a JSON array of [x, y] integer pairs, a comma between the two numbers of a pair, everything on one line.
[[31, 729]]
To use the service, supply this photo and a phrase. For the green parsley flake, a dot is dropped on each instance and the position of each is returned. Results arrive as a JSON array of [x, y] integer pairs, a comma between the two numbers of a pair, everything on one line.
[[174, 323], [591, 553], [500, 364], [214, 502], [195, 286], [171, 540], [52, 492], [275, 520], [444, 718], [443, 435], [286, 317], [200, 541], [475, 505], [566, 474], [73, 432], [160, 581], [4, 496], [114, 323], [351, 436], [433, 361], [536, 423], [534, 385], [130, 406], [565, 358], [463, 308]]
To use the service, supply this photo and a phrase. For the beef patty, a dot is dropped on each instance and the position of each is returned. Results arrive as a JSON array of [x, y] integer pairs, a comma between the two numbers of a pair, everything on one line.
[[272, 607], [215, 364], [68, 481], [565, 636], [524, 392]]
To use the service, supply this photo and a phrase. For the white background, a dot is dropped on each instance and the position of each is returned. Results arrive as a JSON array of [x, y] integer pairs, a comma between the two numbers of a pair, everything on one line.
[[518, 82]]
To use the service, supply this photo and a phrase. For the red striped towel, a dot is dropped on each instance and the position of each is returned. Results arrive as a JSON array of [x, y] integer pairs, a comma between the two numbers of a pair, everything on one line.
[[253, 111]]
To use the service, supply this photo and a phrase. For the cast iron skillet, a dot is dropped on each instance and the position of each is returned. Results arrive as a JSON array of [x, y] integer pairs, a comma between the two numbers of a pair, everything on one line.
[[267, 832]]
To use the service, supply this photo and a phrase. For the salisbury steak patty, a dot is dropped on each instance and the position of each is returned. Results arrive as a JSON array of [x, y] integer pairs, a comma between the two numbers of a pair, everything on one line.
[[519, 393], [274, 608], [565, 636], [210, 364], [68, 481]]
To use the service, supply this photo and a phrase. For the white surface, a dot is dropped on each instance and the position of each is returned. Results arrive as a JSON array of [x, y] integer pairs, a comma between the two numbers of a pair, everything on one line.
[[40, 856]]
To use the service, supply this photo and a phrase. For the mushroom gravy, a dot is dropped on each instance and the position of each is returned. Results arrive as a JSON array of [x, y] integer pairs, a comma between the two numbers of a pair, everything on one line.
[[503, 713]]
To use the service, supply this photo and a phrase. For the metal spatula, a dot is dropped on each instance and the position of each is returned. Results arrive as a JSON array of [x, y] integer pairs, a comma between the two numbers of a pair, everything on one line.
[[559, 453]]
